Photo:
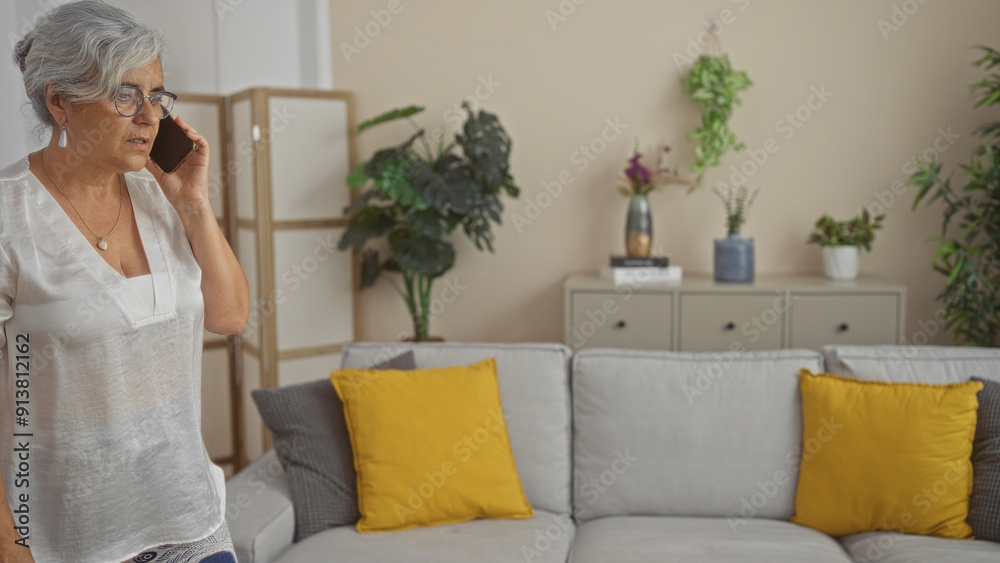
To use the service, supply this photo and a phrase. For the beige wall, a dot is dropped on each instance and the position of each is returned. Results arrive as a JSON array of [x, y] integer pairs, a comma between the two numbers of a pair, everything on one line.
[[556, 84]]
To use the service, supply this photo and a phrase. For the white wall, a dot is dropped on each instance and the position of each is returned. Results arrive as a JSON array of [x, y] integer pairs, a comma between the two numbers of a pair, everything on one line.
[[189, 63], [12, 130], [214, 47]]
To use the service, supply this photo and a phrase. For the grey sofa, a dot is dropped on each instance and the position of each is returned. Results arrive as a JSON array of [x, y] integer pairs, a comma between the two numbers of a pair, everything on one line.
[[632, 456]]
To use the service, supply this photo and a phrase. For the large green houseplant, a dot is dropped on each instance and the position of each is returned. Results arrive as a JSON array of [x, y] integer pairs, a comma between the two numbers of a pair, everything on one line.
[[416, 194], [969, 255]]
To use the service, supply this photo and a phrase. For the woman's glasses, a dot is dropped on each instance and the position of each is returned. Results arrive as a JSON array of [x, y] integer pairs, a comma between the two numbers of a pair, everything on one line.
[[129, 100]]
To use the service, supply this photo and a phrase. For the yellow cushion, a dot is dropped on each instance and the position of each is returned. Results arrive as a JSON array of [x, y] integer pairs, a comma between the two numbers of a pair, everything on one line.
[[430, 446], [885, 456]]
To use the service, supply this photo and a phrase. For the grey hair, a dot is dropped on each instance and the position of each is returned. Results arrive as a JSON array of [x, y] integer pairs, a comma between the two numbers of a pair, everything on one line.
[[84, 49]]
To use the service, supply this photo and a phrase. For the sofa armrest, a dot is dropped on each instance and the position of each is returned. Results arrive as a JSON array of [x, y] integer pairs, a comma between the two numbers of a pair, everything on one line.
[[259, 510]]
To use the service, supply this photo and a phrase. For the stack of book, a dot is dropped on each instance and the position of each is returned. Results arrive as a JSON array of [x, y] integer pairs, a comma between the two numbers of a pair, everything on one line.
[[637, 271]]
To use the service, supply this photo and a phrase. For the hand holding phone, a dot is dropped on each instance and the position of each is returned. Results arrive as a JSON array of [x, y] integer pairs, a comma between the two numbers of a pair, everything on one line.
[[171, 147]]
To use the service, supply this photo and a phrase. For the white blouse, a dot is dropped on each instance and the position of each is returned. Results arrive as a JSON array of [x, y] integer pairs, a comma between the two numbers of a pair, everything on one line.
[[100, 382]]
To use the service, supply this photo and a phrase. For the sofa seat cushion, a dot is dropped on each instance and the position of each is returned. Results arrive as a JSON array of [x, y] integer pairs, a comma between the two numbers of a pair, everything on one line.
[[687, 434], [891, 547], [546, 538], [701, 540]]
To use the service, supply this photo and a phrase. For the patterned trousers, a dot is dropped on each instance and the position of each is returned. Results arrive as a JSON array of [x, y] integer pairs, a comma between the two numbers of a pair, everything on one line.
[[216, 548]]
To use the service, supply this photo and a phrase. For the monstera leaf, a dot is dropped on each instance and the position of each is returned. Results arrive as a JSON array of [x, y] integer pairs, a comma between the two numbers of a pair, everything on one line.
[[447, 186], [423, 255], [477, 223], [367, 223], [428, 223], [486, 145], [392, 115]]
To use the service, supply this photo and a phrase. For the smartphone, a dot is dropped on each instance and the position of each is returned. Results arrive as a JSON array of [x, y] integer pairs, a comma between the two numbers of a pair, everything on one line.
[[171, 147]]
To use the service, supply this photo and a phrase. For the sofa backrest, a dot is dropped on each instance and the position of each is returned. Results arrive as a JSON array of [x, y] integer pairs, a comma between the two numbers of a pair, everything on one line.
[[534, 390], [917, 364], [682, 434]]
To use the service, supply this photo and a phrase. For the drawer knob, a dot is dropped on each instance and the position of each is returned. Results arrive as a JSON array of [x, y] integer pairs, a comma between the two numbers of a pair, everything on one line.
[[730, 326], [620, 324], [843, 327]]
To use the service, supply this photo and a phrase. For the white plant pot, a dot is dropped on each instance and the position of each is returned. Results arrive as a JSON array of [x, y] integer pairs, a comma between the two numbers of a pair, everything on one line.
[[841, 262]]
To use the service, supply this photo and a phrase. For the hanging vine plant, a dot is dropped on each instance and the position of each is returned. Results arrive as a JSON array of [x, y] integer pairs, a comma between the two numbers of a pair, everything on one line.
[[713, 83]]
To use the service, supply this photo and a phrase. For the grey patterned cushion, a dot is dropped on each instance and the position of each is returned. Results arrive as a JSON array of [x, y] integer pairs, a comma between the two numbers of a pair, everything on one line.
[[312, 442], [984, 505]]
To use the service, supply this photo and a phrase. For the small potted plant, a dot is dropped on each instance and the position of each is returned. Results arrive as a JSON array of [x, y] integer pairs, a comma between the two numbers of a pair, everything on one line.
[[842, 242], [640, 182], [734, 254]]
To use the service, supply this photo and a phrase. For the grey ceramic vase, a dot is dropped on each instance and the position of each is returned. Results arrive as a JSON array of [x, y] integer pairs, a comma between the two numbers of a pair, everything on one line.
[[638, 228], [734, 259]]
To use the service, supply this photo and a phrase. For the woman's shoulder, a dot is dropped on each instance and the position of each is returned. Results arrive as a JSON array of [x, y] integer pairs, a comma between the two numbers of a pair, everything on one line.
[[14, 187], [15, 172]]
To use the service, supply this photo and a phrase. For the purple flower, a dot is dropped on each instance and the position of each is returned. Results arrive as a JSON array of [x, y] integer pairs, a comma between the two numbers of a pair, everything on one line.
[[637, 173]]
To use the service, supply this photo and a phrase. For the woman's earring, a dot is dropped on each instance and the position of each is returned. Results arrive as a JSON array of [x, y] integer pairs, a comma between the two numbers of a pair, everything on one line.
[[62, 137]]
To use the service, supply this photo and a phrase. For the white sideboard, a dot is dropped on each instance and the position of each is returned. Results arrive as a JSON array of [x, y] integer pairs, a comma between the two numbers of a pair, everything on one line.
[[700, 314]]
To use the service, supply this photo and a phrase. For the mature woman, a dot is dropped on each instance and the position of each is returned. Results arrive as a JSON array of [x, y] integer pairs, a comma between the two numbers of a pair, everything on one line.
[[108, 274]]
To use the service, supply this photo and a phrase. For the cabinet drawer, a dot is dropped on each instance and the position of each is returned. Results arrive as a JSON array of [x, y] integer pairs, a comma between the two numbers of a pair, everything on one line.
[[613, 320], [718, 322], [844, 319]]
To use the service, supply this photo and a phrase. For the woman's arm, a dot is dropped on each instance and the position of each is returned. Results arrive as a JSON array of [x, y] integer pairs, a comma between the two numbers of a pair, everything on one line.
[[223, 284]]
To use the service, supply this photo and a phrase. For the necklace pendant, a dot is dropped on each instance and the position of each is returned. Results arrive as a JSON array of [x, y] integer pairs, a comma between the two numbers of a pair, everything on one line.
[[102, 245]]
